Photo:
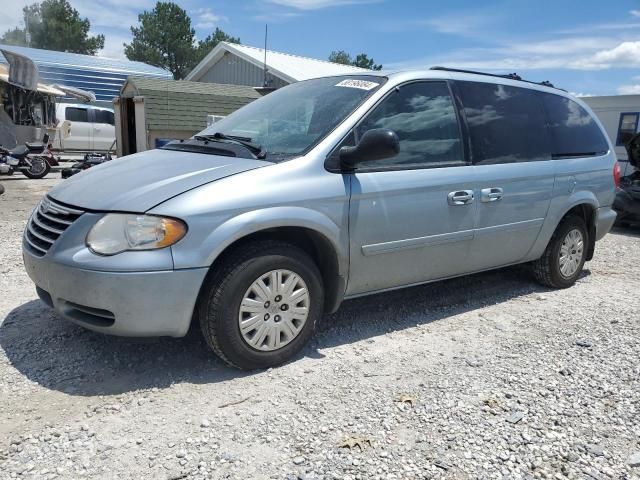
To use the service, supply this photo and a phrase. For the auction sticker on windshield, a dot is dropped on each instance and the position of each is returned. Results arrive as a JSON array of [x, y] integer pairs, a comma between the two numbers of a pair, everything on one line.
[[361, 84]]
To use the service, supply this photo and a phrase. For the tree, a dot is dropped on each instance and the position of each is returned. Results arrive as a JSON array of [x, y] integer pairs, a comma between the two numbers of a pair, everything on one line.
[[362, 60], [15, 36], [340, 56], [209, 43], [164, 38], [55, 25]]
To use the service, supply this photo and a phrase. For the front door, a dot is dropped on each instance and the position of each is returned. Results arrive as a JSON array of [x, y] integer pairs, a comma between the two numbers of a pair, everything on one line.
[[412, 216]]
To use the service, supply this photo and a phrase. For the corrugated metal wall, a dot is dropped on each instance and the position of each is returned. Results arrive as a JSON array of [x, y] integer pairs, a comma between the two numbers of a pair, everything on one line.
[[236, 71], [102, 76]]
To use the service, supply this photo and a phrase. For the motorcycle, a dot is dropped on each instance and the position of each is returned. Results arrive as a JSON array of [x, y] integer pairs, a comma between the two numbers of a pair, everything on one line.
[[34, 160], [89, 160]]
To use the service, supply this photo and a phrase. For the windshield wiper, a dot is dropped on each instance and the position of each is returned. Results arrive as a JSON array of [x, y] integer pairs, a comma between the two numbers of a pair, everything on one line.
[[256, 150]]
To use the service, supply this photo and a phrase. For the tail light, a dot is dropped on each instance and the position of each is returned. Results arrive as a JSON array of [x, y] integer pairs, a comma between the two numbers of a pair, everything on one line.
[[616, 174]]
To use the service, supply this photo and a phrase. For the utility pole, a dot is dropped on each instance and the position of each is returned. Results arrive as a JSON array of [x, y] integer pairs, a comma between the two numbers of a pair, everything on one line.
[[27, 35]]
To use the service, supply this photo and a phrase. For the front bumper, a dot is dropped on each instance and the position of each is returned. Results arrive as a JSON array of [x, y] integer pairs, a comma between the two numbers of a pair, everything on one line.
[[153, 303]]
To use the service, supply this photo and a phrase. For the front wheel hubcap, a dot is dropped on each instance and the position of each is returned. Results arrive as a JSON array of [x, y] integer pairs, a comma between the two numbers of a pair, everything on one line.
[[571, 252], [274, 309]]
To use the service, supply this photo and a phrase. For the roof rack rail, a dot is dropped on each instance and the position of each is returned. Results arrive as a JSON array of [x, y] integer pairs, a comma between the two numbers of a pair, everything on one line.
[[510, 76]]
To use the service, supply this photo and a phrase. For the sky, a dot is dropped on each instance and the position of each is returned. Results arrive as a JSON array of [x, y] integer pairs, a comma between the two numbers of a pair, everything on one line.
[[589, 47]]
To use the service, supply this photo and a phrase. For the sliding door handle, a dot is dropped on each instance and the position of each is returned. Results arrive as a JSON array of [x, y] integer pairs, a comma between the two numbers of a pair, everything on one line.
[[460, 197], [492, 194]]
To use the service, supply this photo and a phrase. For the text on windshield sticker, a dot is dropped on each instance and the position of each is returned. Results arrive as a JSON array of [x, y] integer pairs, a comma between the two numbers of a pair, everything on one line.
[[361, 84]]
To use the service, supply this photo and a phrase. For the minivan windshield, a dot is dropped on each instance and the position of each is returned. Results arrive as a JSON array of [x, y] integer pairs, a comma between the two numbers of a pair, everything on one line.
[[291, 120]]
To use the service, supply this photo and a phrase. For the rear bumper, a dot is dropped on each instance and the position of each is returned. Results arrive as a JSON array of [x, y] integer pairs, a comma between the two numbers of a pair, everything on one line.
[[605, 218], [158, 303]]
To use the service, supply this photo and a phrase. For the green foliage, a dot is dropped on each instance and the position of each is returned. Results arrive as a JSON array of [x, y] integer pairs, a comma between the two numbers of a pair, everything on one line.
[[362, 60], [340, 56], [209, 43], [15, 36], [164, 38], [55, 25]]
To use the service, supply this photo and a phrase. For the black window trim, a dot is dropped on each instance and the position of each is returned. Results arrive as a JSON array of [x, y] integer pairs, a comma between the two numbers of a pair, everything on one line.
[[333, 166], [635, 129]]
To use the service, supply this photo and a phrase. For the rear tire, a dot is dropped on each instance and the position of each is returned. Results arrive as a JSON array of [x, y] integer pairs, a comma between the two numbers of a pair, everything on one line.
[[260, 307], [565, 255], [41, 172]]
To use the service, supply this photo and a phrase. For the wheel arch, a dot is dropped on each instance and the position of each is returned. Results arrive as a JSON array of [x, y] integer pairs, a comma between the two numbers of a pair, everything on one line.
[[582, 203], [309, 230], [587, 209]]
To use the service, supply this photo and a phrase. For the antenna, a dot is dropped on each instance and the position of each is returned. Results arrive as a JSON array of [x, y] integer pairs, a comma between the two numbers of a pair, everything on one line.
[[265, 83]]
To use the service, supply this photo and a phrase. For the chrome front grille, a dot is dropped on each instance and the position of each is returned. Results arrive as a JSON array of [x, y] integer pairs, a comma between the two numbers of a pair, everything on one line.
[[47, 223]]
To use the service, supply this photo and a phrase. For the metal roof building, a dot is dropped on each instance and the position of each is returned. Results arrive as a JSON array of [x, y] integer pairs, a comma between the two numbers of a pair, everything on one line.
[[244, 65], [102, 76]]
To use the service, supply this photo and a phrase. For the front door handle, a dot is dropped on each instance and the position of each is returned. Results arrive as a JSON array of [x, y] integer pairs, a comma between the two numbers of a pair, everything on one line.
[[492, 194], [460, 197]]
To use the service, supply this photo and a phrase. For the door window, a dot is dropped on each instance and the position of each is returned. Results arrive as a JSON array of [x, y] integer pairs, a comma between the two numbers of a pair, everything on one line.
[[104, 116], [74, 114], [575, 133], [423, 116], [506, 124], [627, 128]]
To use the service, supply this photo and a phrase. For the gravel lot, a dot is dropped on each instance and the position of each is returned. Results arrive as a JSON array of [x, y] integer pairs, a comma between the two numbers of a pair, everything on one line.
[[487, 376]]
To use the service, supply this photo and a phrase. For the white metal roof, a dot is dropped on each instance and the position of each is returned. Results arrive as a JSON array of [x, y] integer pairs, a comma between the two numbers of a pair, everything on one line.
[[291, 68]]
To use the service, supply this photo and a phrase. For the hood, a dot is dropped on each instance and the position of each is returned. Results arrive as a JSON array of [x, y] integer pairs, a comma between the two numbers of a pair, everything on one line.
[[136, 183]]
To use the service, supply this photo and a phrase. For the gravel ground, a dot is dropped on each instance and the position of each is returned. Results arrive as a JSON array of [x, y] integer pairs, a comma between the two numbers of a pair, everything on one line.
[[487, 376]]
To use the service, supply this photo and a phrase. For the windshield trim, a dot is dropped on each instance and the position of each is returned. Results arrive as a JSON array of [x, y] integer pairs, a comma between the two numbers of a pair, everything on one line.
[[383, 79]]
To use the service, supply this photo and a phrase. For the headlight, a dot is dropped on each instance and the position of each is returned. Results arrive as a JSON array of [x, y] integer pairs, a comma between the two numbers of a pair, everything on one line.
[[118, 232]]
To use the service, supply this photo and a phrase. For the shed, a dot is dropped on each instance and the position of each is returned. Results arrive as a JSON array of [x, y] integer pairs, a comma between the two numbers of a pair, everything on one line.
[[158, 110], [236, 64]]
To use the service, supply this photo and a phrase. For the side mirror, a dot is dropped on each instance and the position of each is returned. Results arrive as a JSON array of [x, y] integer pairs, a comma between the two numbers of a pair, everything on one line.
[[375, 144]]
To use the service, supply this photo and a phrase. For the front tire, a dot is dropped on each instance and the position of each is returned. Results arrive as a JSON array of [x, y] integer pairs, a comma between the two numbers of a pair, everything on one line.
[[260, 307], [562, 261]]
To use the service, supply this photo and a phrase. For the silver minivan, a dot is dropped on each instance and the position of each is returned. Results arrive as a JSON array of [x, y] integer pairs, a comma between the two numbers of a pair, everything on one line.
[[325, 190]]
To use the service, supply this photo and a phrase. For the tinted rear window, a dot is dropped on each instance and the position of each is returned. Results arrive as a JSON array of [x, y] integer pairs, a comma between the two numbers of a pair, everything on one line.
[[76, 114], [574, 132], [506, 124]]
